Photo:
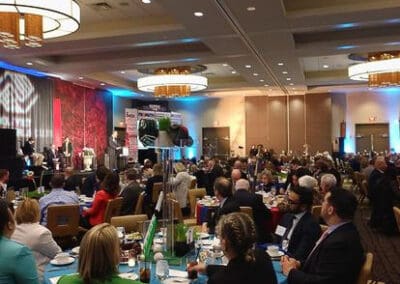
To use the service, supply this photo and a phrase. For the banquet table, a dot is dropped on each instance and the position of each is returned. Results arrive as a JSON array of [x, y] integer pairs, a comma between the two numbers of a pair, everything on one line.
[[203, 211]]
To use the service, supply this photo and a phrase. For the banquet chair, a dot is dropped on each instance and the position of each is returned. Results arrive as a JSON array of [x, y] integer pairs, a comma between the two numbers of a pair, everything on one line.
[[247, 210], [10, 195], [131, 223], [193, 194], [63, 222], [139, 204], [316, 211], [157, 187], [113, 209], [178, 212], [396, 212], [193, 183], [366, 269]]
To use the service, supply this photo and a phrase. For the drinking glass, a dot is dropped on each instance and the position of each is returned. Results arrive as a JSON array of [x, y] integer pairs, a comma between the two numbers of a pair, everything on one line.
[[162, 270]]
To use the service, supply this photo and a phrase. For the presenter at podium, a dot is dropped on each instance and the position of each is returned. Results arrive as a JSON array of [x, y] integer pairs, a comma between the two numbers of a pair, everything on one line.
[[113, 150]]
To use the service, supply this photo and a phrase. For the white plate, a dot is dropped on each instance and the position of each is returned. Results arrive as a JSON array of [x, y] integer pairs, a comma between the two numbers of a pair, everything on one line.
[[207, 242], [176, 280], [130, 275], [67, 261], [75, 250], [279, 254], [204, 236]]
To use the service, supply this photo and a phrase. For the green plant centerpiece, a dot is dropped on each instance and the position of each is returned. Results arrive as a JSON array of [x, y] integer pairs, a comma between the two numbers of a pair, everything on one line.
[[164, 125], [181, 245]]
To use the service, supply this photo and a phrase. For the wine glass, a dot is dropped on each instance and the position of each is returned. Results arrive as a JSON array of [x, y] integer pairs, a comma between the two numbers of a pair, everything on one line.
[[162, 269]]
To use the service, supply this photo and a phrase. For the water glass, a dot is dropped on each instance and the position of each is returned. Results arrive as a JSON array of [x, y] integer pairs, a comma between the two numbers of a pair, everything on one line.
[[162, 270]]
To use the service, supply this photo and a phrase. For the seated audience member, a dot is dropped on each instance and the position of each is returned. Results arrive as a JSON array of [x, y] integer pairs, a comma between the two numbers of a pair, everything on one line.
[[374, 178], [181, 184], [93, 181], [157, 177], [266, 181], [338, 255], [223, 192], [35, 236], [130, 193], [147, 170], [328, 181], [4, 176], [261, 213], [109, 189], [312, 184], [298, 230], [17, 265], [246, 265], [200, 176], [99, 256], [72, 180], [57, 196], [235, 176]]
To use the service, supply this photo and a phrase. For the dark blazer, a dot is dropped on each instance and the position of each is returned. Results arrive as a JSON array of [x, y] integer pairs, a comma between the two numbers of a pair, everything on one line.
[[261, 213], [130, 195], [149, 187], [215, 173], [304, 236], [337, 259], [72, 182], [230, 205], [238, 271], [373, 181]]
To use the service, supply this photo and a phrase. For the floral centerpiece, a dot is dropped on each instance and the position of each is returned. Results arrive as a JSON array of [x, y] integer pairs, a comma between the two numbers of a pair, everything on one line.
[[88, 154]]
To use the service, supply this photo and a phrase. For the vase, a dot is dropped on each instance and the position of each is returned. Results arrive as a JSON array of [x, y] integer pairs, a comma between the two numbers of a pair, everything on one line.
[[163, 139], [87, 163]]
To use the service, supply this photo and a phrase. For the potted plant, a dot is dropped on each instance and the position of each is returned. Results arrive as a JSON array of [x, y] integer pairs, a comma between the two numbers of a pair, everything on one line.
[[181, 245], [163, 139]]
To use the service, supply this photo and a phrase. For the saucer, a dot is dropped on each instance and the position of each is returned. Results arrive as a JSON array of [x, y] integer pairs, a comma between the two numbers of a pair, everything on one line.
[[66, 261], [275, 255]]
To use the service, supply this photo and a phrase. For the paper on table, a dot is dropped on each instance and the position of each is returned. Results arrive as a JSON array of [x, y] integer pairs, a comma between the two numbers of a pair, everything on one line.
[[54, 280], [178, 273]]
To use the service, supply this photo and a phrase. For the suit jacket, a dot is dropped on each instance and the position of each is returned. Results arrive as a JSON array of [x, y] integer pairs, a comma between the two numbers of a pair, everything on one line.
[[261, 213], [215, 173], [337, 259], [304, 236], [230, 205], [130, 195], [238, 271], [67, 148], [373, 181]]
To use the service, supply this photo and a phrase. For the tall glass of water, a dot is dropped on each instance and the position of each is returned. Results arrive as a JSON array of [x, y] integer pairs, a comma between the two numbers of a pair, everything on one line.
[[162, 269]]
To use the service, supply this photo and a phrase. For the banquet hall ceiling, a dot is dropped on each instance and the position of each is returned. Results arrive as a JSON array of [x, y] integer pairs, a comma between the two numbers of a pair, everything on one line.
[[242, 43]]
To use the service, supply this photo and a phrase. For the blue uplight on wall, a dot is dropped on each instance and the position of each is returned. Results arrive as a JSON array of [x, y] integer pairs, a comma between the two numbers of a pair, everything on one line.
[[349, 146], [23, 70], [347, 25], [344, 47], [122, 92]]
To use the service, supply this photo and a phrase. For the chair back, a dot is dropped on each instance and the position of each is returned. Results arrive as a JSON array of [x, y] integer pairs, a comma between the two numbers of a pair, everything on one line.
[[316, 211], [176, 208], [10, 194], [396, 212], [366, 269], [113, 209], [157, 187], [193, 183], [193, 194], [139, 203], [247, 210], [63, 220], [131, 223]]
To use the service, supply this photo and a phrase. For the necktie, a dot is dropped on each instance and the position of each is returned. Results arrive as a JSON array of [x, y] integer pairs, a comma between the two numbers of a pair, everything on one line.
[[289, 227], [323, 237]]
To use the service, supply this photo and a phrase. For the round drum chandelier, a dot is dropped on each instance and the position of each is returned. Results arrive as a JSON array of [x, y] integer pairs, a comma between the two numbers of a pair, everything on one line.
[[172, 82], [32, 21], [381, 70]]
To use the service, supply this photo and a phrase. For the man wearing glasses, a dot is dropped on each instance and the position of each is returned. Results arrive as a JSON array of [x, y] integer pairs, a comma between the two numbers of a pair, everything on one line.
[[298, 230]]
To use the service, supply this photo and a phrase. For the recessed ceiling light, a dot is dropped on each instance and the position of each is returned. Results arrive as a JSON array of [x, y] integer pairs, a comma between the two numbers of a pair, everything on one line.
[[198, 14], [233, 72], [80, 78], [261, 80], [288, 79], [102, 84], [325, 66], [146, 1], [29, 63], [293, 88], [247, 66], [255, 74], [280, 64], [291, 84], [266, 85], [251, 8], [225, 65], [284, 72], [142, 95], [122, 72]]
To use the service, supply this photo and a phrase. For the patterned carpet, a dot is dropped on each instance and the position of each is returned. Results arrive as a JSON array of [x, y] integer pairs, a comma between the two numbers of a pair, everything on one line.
[[386, 249]]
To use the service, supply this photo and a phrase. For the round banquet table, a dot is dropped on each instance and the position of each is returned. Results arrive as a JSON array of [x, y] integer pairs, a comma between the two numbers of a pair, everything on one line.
[[276, 216], [203, 211]]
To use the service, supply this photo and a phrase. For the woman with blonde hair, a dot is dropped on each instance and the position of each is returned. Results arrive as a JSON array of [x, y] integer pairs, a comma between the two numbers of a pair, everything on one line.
[[246, 265], [99, 257], [35, 236], [181, 185]]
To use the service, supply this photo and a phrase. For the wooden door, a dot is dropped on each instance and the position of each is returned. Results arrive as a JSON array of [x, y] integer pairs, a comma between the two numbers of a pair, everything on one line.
[[216, 142], [372, 137]]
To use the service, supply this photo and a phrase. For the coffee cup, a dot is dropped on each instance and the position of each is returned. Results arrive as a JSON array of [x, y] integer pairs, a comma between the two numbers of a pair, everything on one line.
[[62, 257], [273, 250]]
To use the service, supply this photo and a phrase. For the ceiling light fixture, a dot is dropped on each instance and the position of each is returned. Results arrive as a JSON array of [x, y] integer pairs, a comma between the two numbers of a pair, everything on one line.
[[32, 21], [284, 72], [291, 84], [102, 84], [80, 78], [122, 72], [29, 63], [233, 72], [198, 14], [255, 74], [251, 9], [381, 70], [261, 80], [280, 64], [325, 66], [146, 1], [248, 66], [266, 85], [172, 82], [288, 79], [225, 65]]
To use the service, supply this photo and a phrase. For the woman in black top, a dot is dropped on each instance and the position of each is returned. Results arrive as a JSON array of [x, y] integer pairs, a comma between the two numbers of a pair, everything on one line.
[[246, 265]]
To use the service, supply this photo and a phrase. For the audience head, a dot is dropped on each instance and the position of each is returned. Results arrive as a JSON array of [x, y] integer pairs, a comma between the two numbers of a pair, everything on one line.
[[28, 212], [328, 181], [57, 181], [300, 199], [339, 206], [380, 163], [157, 169], [4, 175], [68, 171], [7, 222], [179, 167], [99, 254], [101, 173], [114, 134], [237, 164], [235, 175], [111, 183], [308, 182], [242, 184], [66, 139], [222, 188], [132, 174], [238, 235], [147, 163], [266, 177]]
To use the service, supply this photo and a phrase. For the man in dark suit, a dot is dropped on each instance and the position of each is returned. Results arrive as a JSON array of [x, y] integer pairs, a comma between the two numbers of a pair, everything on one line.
[[113, 148], [223, 192], [67, 150], [374, 179], [261, 213], [215, 171], [130, 193], [298, 230], [338, 255]]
